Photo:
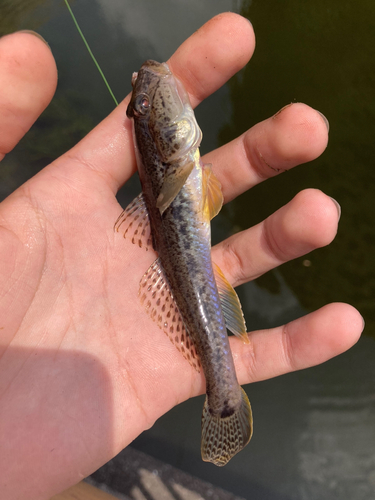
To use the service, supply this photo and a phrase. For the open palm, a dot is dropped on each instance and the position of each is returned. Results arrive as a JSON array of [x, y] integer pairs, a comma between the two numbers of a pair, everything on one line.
[[83, 370]]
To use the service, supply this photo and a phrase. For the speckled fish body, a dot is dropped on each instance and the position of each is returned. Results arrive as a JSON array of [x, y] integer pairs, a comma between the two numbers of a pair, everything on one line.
[[175, 187]]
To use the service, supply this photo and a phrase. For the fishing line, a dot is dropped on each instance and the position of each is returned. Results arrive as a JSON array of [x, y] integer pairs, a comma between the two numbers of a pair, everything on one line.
[[90, 52]]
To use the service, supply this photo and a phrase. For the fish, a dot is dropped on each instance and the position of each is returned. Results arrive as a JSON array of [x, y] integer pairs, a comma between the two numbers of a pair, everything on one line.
[[183, 291]]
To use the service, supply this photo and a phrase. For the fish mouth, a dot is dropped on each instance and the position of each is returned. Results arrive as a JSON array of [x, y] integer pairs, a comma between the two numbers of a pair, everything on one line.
[[161, 69], [145, 81], [152, 75], [161, 104]]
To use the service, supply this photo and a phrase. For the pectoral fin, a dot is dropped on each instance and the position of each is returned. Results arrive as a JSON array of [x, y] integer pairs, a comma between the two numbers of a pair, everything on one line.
[[157, 298], [135, 224], [175, 178], [231, 306], [212, 195]]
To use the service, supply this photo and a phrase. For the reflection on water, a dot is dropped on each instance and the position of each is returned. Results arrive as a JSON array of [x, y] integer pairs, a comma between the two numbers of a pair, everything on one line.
[[337, 448], [314, 430], [333, 459]]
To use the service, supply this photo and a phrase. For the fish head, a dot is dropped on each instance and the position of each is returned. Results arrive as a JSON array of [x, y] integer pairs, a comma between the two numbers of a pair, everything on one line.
[[160, 103]]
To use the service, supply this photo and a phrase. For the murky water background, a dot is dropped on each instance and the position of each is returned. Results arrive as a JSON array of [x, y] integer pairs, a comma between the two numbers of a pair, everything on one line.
[[314, 430]]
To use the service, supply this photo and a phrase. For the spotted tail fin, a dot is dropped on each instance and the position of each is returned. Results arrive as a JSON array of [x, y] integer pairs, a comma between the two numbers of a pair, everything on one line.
[[223, 437]]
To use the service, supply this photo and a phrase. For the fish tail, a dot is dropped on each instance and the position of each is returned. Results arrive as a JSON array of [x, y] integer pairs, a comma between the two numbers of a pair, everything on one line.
[[223, 437]]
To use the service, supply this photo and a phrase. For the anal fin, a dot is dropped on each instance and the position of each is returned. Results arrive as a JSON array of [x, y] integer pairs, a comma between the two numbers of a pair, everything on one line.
[[157, 298], [135, 223], [231, 306]]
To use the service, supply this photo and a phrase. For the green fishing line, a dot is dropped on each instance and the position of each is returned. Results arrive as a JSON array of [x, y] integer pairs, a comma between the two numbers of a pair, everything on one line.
[[90, 52]]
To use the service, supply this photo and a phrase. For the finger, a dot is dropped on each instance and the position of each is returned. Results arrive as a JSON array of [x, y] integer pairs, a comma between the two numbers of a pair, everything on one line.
[[213, 54], [296, 134], [28, 79], [307, 222], [304, 342], [204, 62]]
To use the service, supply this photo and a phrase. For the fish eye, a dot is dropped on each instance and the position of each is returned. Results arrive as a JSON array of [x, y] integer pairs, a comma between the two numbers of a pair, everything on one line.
[[141, 104]]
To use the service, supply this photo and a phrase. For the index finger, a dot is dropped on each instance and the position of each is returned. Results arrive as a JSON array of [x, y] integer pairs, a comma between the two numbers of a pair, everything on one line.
[[213, 54]]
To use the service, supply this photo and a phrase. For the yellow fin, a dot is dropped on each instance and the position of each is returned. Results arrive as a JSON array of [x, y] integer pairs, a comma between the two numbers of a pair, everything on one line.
[[135, 223], [175, 178], [231, 306], [213, 197], [223, 437], [157, 298]]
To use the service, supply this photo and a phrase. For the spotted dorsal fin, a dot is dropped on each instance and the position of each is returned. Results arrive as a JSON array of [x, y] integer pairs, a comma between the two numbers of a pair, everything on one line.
[[157, 298], [231, 306]]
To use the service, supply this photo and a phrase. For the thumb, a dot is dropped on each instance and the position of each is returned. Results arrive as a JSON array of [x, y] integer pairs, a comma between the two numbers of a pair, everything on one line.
[[28, 79]]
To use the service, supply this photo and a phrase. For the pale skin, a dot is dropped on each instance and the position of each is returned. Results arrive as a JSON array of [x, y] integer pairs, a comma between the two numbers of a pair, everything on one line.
[[83, 370]]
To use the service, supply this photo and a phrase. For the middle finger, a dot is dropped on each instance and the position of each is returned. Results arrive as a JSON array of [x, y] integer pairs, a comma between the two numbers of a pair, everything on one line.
[[307, 222]]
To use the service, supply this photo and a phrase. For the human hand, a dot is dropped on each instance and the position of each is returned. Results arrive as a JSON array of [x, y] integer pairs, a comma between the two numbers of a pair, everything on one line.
[[83, 370]]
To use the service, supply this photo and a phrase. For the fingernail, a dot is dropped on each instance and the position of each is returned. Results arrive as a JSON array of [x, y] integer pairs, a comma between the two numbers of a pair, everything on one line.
[[31, 32], [337, 206], [324, 119], [282, 109]]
